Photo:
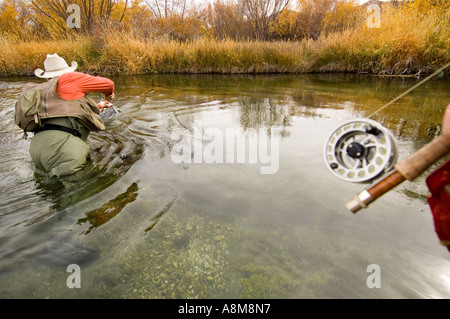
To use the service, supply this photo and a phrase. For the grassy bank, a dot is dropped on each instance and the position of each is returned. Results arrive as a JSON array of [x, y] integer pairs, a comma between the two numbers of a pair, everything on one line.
[[405, 44]]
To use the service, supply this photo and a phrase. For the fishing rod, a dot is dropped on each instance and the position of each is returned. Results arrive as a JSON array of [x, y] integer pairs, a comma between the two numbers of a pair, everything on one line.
[[362, 150], [407, 169]]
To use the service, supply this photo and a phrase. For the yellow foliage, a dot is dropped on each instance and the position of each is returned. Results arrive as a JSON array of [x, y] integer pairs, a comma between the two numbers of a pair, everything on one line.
[[423, 6], [15, 18], [414, 37], [285, 25], [345, 15], [8, 17]]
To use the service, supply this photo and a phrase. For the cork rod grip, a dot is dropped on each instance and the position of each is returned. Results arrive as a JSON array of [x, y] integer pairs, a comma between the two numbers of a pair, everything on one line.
[[409, 169], [418, 162]]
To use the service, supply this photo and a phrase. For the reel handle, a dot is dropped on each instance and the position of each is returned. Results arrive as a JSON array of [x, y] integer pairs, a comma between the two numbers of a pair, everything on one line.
[[407, 169]]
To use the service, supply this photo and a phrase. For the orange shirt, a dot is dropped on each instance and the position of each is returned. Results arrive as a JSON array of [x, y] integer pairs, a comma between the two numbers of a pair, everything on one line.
[[74, 85]]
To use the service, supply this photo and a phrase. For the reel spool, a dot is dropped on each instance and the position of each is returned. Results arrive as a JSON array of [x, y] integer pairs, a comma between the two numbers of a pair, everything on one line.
[[360, 150]]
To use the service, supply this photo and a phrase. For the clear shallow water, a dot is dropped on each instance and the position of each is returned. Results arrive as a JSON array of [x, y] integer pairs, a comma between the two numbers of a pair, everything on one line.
[[146, 226]]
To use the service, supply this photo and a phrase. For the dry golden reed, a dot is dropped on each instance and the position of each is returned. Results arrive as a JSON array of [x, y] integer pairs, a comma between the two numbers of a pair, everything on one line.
[[408, 42]]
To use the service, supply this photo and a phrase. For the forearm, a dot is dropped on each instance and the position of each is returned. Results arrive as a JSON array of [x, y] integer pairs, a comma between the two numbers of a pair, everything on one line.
[[74, 85], [100, 85], [446, 121]]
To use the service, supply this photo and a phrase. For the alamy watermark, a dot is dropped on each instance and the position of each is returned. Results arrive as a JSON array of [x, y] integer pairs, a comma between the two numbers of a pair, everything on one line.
[[74, 279], [374, 18], [211, 145], [74, 20], [374, 279]]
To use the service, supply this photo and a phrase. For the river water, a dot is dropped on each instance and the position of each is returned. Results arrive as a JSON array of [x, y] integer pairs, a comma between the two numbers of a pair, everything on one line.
[[225, 221]]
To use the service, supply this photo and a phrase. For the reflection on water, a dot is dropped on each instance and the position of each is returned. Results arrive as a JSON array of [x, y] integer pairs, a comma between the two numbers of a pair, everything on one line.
[[99, 216], [263, 112], [141, 226]]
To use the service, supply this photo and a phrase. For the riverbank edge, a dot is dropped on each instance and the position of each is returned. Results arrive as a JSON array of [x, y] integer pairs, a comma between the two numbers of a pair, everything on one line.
[[112, 55]]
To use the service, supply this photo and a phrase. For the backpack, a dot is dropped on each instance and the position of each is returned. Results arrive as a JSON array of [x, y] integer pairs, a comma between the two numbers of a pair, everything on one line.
[[27, 110], [41, 102]]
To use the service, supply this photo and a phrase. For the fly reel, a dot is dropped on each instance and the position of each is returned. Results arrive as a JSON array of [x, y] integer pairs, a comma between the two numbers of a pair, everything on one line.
[[360, 150]]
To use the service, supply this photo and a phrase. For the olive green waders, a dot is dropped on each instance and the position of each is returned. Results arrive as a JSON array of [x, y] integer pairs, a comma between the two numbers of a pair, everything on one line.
[[59, 153]]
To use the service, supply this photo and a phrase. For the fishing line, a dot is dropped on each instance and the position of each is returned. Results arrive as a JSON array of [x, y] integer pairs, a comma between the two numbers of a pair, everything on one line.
[[361, 150], [410, 89]]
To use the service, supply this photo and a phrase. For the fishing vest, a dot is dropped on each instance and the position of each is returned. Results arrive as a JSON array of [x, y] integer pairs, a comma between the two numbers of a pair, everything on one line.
[[41, 102]]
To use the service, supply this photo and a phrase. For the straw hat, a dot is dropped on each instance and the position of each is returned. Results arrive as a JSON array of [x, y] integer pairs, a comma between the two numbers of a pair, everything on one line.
[[55, 66]]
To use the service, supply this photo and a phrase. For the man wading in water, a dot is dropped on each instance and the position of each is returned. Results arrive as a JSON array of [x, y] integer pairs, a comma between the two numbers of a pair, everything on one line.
[[61, 114]]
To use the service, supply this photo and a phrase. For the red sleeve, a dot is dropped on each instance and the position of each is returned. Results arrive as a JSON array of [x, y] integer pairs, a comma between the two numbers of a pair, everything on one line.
[[75, 85]]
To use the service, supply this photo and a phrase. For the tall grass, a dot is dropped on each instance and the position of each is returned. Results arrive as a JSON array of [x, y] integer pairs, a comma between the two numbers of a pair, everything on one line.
[[408, 42]]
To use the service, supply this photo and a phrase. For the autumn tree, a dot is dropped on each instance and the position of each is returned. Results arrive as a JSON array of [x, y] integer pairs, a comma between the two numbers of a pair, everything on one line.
[[260, 14], [93, 13], [344, 15], [425, 5], [176, 19], [16, 18], [263, 20], [244, 19], [311, 16], [137, 19], [224, 21], [285, 25]]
